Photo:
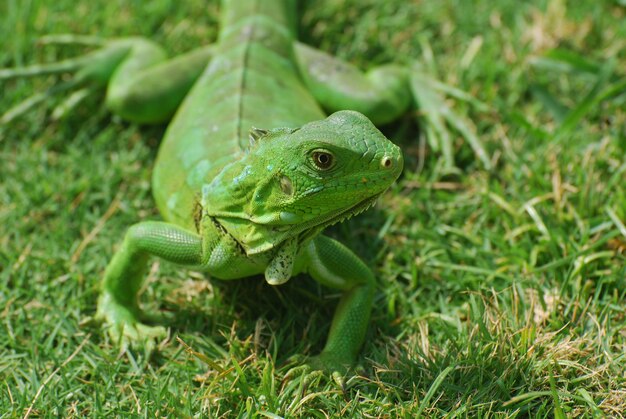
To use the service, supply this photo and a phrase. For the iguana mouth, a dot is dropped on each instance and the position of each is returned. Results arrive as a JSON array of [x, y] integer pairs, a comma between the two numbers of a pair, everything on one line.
[[353, 211], [308, 232]]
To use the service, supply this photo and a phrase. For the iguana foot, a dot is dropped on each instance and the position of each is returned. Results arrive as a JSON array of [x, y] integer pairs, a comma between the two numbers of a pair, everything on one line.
[[125, 328], [323, 365], [133, 71], [90, 73]]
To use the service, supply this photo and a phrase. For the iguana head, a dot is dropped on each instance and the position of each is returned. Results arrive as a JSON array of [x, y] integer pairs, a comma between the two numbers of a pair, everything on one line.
[[295, 182]]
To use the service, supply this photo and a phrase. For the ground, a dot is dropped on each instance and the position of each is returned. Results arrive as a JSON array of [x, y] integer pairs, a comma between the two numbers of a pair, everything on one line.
[[501, 293]]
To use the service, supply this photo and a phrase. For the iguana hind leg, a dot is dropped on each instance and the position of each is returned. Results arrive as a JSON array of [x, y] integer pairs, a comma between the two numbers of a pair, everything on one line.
[[142, 85], [382, 94], [148, 91]]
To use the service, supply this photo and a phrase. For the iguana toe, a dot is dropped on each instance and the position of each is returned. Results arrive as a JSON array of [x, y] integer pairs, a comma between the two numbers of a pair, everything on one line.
[[315, 367], [124, 327]]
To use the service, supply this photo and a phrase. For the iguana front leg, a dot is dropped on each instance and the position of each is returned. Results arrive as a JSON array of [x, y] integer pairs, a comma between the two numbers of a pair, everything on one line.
[[118, 306], [335, 266]]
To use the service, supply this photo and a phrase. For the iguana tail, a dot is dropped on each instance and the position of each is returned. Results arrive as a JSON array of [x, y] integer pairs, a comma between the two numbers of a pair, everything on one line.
[[281, 12]]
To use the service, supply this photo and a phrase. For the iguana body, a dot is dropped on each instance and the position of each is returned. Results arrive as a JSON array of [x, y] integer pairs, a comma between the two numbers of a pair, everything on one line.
[[238, 200]]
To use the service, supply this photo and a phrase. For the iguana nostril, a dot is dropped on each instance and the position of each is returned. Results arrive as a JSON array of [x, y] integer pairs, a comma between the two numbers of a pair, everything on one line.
[[386, 162]]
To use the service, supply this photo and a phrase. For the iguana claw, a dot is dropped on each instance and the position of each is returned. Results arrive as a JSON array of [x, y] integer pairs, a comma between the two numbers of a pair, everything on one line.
[[316, 367], [124, 327]]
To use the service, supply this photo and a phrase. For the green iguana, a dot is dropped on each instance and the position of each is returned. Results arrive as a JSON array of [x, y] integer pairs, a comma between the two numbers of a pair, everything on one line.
[[249, 172]]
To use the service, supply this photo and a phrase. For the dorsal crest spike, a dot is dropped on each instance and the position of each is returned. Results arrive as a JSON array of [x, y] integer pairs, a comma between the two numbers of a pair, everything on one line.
[[256, 134]]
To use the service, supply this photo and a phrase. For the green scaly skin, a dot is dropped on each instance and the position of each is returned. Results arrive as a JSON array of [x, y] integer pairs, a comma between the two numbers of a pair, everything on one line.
[[238, 200]]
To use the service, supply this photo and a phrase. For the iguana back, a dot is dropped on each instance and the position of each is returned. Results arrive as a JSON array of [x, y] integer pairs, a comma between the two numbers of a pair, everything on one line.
[[252, 81]]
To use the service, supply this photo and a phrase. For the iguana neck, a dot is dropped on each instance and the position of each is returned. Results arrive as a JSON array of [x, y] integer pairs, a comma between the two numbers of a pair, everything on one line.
[[279, 12]]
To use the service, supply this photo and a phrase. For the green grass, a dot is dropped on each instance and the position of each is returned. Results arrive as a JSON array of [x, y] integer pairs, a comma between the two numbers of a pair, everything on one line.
[[501, 293]]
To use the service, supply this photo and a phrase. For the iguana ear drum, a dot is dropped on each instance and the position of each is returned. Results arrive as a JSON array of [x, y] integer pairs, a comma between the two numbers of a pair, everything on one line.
[[286, 186]]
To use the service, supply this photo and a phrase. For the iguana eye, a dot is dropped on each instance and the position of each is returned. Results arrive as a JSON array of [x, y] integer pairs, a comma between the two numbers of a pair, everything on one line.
[[323, 159]]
